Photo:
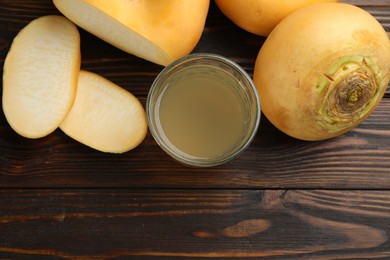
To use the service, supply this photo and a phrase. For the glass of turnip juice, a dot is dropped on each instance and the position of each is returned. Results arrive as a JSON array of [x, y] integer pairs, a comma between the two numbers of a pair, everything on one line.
[[203, 110]]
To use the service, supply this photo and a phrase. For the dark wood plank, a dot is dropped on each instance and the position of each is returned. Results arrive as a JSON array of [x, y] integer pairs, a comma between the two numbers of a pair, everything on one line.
[[379, 9], [359, 159], [277, 224], [364, 3]]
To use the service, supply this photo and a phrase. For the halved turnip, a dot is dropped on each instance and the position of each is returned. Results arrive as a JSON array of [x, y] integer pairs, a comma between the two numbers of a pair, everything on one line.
[[159, 31], [40, 75], [105, 116]]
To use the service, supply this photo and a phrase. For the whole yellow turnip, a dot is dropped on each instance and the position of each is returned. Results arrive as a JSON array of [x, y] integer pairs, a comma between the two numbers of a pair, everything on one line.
[[323, 70], [261, 16]]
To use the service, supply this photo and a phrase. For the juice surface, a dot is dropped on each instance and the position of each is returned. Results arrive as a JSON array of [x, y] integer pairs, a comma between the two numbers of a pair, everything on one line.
[[202, 115]]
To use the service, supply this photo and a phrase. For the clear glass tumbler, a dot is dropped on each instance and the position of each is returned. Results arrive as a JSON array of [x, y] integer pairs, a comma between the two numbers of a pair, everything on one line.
[[203, 110]]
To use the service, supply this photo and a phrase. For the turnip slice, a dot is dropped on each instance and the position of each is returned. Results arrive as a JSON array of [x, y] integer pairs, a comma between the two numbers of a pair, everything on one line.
[[40, 76], [105, 116]]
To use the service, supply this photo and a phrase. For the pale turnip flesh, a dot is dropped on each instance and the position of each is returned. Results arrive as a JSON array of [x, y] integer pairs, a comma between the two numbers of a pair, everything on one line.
[[40, 76], [105, 116]]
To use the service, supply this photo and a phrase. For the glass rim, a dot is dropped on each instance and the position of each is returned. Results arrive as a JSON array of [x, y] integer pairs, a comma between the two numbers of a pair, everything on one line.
[[181, 156]]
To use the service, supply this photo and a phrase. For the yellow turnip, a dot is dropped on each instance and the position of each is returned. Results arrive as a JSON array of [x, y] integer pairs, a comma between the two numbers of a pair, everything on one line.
[[323, 70], [159, 31], [261, 16]]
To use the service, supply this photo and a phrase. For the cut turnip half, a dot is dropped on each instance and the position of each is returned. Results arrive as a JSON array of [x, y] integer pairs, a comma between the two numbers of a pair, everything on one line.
[[158, 31], [105, 116], [40, 76]]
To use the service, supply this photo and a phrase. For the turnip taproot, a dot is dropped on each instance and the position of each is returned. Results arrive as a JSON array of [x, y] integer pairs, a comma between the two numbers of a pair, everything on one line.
[[323, 70], [40, 75], [261, 16]]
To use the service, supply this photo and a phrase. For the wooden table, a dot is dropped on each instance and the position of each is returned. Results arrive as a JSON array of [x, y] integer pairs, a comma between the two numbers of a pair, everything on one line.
[[281, 199]]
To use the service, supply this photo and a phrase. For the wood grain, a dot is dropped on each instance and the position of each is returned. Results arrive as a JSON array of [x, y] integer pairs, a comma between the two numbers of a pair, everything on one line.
[[277, 224], [365, 3]]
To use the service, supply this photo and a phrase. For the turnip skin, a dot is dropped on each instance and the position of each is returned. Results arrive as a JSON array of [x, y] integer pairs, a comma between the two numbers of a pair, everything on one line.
[[261, 16], [302, 69], [157, 31]]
